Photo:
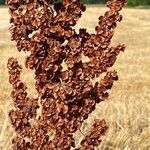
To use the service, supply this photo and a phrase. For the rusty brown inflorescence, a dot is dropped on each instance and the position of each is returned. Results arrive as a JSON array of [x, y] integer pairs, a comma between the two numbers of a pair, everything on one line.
[[66, 96]]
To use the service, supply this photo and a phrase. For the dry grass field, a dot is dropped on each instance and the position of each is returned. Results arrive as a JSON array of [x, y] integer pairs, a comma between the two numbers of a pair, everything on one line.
[[127, 111]]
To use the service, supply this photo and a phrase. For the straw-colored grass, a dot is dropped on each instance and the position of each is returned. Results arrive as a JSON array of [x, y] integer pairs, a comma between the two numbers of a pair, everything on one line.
[[127, 111]]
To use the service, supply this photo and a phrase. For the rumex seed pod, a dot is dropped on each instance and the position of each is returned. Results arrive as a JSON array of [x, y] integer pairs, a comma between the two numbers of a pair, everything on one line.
[[64, 80]]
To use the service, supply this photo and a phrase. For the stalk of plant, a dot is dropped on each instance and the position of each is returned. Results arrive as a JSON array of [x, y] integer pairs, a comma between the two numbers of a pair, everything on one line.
[[64, 80]]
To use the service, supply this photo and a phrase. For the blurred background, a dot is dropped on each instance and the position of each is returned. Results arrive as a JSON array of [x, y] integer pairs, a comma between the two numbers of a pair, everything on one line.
[[127, 111], [130, 2]]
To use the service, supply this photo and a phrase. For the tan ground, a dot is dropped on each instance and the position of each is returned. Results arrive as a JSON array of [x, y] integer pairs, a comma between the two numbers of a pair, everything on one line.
[[128, 109]]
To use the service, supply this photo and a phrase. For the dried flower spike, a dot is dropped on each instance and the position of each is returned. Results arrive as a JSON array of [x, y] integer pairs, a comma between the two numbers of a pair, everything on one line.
[[66, 93]]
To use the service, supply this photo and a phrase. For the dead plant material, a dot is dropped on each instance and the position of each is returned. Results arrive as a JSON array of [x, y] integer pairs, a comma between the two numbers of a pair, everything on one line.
[[67, 96]]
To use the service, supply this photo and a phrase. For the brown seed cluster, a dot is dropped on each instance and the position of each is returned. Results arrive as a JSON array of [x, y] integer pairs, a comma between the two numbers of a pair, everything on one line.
[[66, 95], [94, 138]]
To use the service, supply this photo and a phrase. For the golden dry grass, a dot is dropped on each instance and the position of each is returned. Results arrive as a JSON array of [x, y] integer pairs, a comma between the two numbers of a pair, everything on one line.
[[127, 111]]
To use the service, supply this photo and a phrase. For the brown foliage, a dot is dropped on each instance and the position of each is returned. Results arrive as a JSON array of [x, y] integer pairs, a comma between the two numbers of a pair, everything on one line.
[[67, 96]]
